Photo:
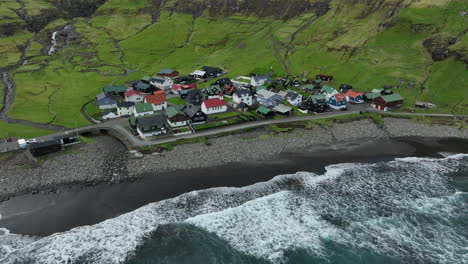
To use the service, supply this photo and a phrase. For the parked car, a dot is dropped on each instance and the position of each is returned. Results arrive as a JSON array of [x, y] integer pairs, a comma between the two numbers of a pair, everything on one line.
[[31, 141], [9, 139]]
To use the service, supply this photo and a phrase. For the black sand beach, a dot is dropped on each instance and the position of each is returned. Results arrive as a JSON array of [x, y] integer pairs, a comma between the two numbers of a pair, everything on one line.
[[68, 207]]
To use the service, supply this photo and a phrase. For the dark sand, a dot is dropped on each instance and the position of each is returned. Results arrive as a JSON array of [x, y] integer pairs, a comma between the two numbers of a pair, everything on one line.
[[68, 207]]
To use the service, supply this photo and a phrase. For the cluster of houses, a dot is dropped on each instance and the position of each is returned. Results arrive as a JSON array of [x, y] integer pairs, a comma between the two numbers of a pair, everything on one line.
[[145, 101]]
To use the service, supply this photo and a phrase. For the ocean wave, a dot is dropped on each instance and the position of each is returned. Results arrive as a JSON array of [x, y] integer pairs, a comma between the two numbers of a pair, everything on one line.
[[350, 203]]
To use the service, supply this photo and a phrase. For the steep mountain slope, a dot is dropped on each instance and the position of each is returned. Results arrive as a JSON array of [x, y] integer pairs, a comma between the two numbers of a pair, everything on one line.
[[418, 45]]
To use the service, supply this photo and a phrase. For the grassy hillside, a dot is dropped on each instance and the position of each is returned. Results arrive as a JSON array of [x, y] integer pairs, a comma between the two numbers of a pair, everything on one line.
[[364, 43]]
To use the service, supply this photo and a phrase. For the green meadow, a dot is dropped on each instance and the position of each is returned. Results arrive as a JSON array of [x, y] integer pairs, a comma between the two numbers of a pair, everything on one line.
[[367, 49]]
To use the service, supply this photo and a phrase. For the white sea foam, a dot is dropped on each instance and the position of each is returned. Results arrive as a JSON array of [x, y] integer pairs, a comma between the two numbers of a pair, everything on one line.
[[263, 219]]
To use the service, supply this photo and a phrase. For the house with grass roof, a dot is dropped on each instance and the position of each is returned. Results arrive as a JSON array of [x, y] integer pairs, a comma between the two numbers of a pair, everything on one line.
[[388, 102], [150, 125], [264, 111], [143, 109], [116, 90], [314, 104]]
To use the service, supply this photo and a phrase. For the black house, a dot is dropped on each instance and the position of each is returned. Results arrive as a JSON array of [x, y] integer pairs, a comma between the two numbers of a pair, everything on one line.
[[184, 79], [195, 97], [324, 77], [143, 87], [212, 71], [42, 148], [195, 114], [222, 82], [345, 88]]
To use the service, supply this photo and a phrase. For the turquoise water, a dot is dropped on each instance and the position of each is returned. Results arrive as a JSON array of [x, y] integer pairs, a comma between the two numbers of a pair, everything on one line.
[[410, 210]]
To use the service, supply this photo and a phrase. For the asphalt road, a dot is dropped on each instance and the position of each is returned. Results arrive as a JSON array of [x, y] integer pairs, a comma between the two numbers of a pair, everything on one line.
[[119, 127]]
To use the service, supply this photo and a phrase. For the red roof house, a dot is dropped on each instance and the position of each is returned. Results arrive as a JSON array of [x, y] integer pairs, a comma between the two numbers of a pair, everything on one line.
[[157, 100], [134, 96], [213, 106], [354, 97]]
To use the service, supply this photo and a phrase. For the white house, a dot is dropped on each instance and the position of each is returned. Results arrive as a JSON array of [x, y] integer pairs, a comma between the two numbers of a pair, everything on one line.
[[134, 96], [125, 108], [198, 74], [328, 91], [176, 118], [243, 96], [143, 109], [261, 79], [161, 82], [109, 114], [213, 106], [157, 100], [294, 98]]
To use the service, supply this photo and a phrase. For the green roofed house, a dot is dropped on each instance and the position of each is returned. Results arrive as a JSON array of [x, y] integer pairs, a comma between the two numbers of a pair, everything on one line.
[[329, 91], [146, 78], [372, 95], [176, 118], [143, 109], [115, 90], [308, 88], [264, 111], [387, 102]]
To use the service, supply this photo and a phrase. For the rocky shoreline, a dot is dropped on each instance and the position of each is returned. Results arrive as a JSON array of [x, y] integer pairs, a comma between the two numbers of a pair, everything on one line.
[[107, 160]]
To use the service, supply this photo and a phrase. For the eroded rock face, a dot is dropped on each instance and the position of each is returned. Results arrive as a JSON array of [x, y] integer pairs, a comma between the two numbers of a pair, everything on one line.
[[79, 8], [279, 9], [38, 22], [438, 46]]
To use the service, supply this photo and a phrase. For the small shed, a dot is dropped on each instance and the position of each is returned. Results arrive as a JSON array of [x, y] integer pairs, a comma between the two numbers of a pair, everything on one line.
[[42, 148], [282, 109], [264, 111], [388, 101]]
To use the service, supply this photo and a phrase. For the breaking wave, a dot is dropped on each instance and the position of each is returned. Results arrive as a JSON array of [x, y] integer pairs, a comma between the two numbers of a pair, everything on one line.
[[407, 210]]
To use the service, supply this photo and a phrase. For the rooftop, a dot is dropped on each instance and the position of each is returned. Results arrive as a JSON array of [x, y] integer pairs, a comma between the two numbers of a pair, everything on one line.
[[143, 107]]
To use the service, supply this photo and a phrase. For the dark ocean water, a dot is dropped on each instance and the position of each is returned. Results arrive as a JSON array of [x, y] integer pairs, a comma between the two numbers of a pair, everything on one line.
[[411, 210]]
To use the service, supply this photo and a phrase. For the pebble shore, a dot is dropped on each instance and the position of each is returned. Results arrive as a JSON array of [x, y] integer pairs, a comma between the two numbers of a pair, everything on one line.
[[107, 160]]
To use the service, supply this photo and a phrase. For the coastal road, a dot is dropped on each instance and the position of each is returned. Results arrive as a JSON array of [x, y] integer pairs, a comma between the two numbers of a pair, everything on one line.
[[120, 130]]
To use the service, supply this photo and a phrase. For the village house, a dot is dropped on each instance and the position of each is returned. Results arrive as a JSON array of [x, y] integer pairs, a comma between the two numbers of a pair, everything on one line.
[[143, 109], [109, 114], [324, 77], [243, 96], [177, 119], [213, 106], [195, 97], [228, 89], [161, 82], [212, 72], [184, 79], [104, 101], [282, 94], [314, 104], [328, 91], [259, 88], [151, 125], [222, 82], [168, 73], [184, 92], [294, 98], [157, 100], [282, 109], [387, 102], [195, 114], [370, 96], [134, 96], [337, 101], [125, 108], [211, 92], [199, 74], [345, 88], [144, 87], [177, 87], [261, 79], [115, 90], [267, 98], [354, 97]]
